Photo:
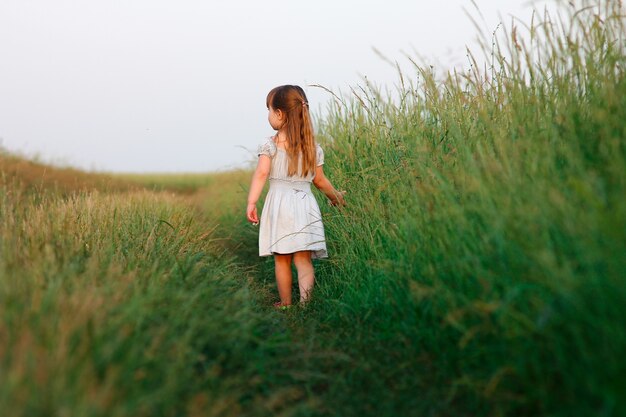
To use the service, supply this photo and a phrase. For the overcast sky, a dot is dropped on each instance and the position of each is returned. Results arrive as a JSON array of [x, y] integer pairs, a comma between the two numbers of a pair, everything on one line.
[[180, 86]]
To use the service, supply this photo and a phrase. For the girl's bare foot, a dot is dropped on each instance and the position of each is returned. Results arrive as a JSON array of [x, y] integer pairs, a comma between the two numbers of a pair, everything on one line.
[[280, 306]]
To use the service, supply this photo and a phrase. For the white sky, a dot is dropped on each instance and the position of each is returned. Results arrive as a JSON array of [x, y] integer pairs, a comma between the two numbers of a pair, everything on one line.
[[180, 86]]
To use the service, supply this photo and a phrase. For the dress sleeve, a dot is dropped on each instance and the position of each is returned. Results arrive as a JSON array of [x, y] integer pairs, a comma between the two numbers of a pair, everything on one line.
[[267, 148], [319, 155]]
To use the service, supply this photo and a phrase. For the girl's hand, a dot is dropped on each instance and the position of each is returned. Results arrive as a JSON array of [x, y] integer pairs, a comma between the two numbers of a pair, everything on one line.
[[252, 214], [338, 200]]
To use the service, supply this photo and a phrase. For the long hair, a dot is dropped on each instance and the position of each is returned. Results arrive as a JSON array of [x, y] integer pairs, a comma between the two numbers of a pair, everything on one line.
[[292, 101]]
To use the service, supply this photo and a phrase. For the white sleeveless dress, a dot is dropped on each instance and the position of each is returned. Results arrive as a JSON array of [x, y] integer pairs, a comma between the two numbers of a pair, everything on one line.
[[291, 220]]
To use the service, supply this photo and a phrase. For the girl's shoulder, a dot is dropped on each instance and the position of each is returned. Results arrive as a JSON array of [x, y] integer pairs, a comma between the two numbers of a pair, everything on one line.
[[267, 148], [319, 154]]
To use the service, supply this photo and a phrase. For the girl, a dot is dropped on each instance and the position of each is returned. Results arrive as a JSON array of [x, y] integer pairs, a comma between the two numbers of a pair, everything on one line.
[[291, 224]]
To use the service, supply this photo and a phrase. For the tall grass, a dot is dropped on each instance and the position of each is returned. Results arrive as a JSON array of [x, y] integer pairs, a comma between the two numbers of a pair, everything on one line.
[[125, 304], [478, 268]]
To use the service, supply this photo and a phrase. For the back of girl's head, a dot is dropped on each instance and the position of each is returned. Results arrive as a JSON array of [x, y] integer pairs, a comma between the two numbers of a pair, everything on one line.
[[286, 97], [292, 101]]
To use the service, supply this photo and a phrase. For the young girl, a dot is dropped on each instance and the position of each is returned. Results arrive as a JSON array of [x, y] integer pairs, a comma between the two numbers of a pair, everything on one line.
[[291, 223]]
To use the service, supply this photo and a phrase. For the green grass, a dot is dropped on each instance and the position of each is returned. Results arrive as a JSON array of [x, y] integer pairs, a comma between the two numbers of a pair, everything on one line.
[[124, 304], [477, 269], [186, 183], [479, 265]]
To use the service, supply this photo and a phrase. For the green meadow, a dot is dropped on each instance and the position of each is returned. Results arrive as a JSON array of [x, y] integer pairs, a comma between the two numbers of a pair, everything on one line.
[[478, 268]]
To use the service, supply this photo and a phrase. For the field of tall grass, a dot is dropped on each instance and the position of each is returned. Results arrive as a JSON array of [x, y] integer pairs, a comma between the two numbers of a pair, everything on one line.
[[125, 304], [477, 269], [480, 265]]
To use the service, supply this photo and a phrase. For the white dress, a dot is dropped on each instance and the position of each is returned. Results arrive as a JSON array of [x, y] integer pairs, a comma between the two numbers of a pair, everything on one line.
[[291, 220]]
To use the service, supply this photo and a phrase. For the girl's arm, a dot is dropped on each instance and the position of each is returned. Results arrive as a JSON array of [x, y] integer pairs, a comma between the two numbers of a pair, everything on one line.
[[258, 181], [323, 184]]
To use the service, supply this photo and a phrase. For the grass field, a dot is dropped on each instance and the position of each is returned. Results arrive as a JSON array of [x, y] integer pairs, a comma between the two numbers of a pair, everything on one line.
[[477, 269]]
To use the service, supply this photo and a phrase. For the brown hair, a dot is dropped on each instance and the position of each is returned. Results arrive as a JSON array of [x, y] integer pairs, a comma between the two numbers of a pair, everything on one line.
[[292, 101]]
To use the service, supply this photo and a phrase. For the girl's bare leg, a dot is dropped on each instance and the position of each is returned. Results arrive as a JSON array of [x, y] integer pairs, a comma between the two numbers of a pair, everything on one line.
[[282, 266], [306, 276]]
